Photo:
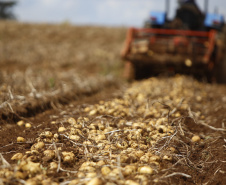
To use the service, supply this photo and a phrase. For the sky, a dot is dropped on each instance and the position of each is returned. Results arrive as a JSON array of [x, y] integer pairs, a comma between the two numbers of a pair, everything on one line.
[[99, 12]]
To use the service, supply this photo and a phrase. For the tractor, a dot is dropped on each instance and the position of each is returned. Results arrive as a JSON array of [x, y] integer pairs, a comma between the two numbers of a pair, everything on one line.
[[192, 44]]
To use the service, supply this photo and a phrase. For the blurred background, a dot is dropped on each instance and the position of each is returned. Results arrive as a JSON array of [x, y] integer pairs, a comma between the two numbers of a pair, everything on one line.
[[96, 12]]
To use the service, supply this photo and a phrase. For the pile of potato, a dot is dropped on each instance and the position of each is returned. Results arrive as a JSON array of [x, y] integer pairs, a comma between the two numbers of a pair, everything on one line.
[[125, 140]]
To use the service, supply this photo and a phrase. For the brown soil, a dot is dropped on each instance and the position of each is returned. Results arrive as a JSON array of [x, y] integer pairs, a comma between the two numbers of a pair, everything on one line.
[[50, 73]]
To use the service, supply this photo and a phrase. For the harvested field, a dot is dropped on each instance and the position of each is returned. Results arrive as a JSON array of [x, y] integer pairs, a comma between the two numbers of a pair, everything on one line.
[[67, 117], [43, 63]]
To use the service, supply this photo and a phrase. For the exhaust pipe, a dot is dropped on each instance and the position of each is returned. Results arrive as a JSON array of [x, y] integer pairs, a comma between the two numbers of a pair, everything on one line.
[[167, 8], [206, 5]]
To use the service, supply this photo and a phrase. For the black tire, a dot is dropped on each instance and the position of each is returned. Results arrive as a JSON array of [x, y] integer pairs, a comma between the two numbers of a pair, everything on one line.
[[129, 71], [142, 71], [221, 72]]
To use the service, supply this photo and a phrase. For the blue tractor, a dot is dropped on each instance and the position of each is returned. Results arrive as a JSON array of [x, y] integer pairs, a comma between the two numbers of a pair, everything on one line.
[[189, 15]]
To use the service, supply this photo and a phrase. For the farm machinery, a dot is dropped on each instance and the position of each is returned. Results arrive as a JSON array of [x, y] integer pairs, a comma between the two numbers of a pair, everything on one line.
[[192, 43]]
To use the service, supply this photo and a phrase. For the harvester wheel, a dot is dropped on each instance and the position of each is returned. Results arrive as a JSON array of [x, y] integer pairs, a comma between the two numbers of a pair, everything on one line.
[[221, 72], [129, 71], [143, 71], [221, 68]]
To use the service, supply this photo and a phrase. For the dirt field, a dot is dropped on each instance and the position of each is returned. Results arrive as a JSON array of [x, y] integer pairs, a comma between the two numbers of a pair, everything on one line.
[[67, 117]]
